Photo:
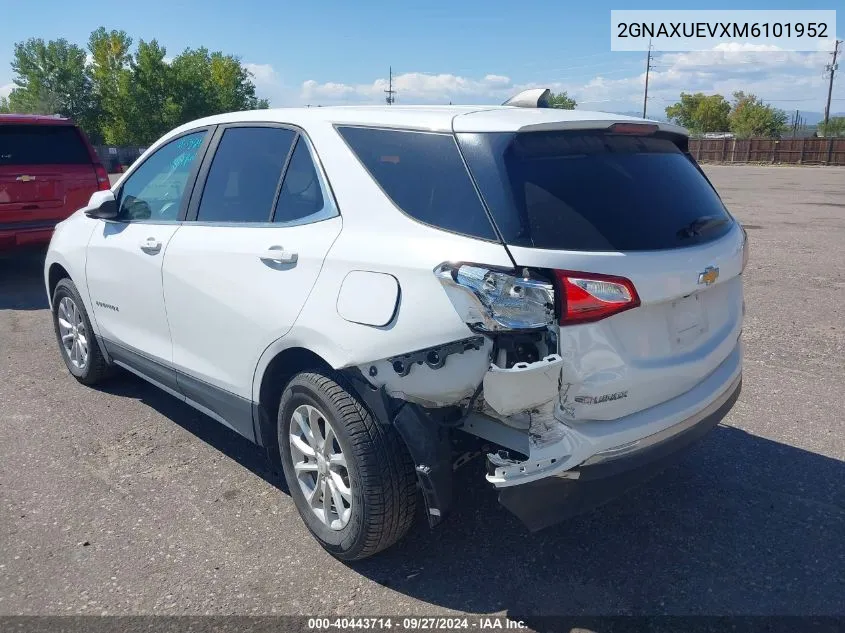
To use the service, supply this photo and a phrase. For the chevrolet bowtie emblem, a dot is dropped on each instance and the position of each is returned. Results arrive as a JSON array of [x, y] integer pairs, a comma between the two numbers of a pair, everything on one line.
[[709, 276], [25, 178]]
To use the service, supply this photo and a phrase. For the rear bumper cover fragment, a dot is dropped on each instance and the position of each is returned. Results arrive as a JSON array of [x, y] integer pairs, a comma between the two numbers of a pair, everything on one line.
[[524, 386]]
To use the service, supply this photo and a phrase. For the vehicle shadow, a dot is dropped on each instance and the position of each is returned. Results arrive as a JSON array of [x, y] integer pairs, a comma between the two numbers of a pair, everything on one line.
[[22, 280], [741, 525], [225, 440]]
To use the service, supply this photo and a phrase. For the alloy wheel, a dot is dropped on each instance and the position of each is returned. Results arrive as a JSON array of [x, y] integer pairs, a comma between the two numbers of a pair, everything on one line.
[[320, 466], [73, 333]]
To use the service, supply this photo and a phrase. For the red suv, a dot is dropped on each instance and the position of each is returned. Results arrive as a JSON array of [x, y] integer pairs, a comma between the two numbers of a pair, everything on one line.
[[48, 170]]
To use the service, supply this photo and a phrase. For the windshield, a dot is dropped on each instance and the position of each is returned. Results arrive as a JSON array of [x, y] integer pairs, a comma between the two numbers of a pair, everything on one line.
[[593, 191]]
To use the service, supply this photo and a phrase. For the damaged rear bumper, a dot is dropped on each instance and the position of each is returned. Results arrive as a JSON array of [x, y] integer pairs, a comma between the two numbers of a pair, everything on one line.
[[544, 502]]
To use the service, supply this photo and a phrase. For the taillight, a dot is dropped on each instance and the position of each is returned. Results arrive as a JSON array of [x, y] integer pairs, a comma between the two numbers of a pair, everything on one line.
[[495, 300], [103, 183], [588, 297]]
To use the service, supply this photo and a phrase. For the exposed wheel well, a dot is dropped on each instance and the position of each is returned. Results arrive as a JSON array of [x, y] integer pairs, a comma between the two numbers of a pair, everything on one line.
[[281, 369], [56, 274]]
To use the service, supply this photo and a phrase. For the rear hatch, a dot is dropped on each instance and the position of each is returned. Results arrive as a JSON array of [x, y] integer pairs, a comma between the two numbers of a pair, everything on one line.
[[619, 205], [46, 173]]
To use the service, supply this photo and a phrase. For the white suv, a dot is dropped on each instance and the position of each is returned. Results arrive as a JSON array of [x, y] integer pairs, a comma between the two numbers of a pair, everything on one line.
[[368, 292]]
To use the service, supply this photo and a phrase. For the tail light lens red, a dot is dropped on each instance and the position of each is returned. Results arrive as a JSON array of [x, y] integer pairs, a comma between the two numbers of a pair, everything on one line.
[[102, 177], [586, 297]]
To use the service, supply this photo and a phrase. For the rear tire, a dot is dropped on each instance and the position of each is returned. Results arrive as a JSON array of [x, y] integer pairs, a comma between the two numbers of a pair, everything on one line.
[[77, 343], [366, 469]]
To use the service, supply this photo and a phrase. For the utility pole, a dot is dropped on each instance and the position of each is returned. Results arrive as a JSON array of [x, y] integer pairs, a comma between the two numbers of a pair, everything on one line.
[[390, 91], [647, 69], [831, 68]]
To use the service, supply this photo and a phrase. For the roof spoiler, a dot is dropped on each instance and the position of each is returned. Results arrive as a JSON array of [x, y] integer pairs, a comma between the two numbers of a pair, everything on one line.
[[534, 98]]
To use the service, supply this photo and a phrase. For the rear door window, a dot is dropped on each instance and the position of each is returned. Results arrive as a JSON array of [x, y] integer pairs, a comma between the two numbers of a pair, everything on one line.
[[303, 197], [593, 191], [245, 174], [424, 176], [42, 145]]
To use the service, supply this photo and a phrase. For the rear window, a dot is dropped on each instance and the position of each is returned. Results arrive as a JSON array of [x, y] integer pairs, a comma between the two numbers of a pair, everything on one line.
[[593, 191], [424, 176], [42, 145]]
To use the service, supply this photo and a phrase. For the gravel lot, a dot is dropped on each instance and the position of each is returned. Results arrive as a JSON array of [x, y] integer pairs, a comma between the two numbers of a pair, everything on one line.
[[124, 500]]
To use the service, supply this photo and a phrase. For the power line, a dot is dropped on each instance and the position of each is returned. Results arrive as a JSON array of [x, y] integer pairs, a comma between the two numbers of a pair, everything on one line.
[[831, 68], [390, 98], [647, 70]]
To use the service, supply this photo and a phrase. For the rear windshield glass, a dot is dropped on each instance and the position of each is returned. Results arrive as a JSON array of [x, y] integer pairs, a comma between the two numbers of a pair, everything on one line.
[[424, 175], [592, 191], [42, 145]]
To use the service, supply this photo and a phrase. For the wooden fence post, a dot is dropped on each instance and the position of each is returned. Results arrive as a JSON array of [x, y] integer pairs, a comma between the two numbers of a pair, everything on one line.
[[829, 150], [733, 150], [775, 152], [748, 151], [801, 156]]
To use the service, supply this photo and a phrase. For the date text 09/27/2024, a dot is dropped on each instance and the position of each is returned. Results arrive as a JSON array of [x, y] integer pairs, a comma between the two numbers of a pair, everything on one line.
[[485, 623]]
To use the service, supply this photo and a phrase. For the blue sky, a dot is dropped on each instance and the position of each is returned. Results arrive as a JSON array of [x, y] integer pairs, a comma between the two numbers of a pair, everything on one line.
[[464, 51]]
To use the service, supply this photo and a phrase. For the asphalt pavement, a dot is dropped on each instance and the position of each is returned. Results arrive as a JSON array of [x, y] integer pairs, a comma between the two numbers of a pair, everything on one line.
[[122, 500]]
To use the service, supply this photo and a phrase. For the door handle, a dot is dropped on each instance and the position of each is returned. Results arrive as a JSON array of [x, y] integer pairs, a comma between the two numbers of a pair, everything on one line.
[[150, 245], [279, 254]]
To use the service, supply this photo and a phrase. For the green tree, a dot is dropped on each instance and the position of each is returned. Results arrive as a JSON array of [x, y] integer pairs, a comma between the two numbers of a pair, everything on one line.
[[52, 78], [4, 105], [110, 56], [148, 108], [125, 98], [232, 84], [700, 113], [835, 127], [562, 100], [751, 117], [207, 83]]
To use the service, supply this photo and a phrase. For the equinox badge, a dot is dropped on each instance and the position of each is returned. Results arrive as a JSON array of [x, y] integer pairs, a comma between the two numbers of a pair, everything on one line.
[[709, 275]]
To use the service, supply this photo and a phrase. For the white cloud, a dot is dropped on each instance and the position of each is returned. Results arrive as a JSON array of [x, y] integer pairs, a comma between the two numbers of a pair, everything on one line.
[[269, 84], [784, 78], [415, 87], [262, 73], [6, 89]]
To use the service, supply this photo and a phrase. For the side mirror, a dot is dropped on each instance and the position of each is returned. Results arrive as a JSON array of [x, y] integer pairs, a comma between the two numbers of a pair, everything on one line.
[[102, 206]]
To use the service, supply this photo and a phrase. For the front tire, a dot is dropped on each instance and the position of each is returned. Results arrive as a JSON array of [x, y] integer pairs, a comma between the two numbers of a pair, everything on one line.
[[77, 344], [351, 477]]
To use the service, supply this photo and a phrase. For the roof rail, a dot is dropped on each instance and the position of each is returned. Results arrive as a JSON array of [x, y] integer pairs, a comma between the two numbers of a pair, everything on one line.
[[533, 98]]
